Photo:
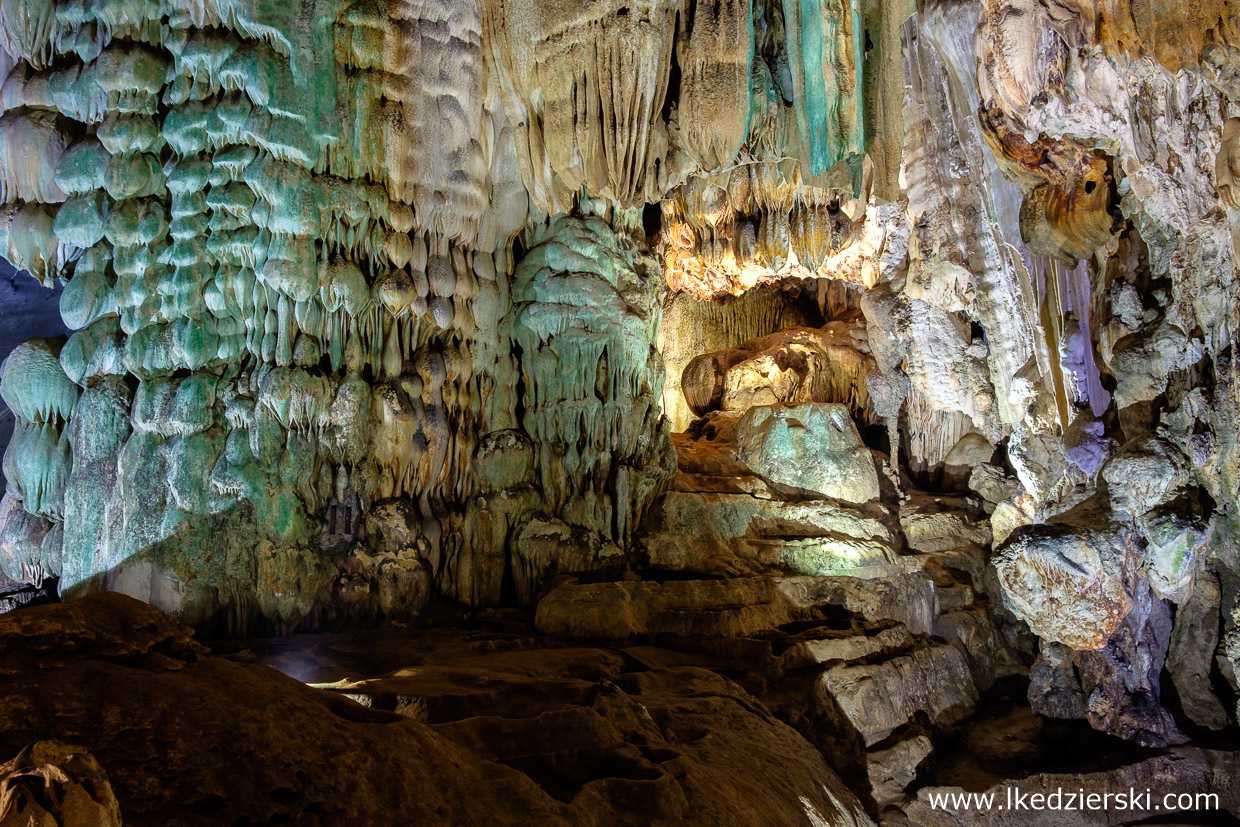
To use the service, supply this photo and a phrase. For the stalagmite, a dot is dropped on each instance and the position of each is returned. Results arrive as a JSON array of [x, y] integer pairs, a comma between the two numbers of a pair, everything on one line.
[[600, 318]]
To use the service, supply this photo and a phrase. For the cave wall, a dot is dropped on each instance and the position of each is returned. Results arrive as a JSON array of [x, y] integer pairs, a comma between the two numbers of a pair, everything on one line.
[[369, 306], [308, 371]]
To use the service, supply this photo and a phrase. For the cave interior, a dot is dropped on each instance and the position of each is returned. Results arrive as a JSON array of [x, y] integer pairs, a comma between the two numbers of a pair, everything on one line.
[[722, 412]]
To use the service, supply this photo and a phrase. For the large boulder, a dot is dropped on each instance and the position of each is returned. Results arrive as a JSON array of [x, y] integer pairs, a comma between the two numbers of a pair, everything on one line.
[[932, 680], [972, 450], [941, 523], [814, 447], [801, 364], [58, 785], [727, 533], [1067, 581], [696, 612]]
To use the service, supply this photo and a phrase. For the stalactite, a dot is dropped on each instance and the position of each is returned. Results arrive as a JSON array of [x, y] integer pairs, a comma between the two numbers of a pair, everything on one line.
[[370, 308]]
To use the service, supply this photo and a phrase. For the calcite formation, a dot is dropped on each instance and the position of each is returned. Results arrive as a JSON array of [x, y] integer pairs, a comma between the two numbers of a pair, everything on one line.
[[898, 335]]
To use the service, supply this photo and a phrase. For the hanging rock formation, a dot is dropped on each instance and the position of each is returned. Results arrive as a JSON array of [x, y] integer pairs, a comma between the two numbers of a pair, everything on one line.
[[880, 353]]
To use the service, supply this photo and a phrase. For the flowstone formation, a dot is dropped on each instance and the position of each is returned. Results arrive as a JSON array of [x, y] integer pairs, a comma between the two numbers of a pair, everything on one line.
[[879, 355], [315, 375]]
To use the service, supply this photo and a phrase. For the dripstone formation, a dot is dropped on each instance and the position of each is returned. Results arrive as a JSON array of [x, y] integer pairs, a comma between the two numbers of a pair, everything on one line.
[[877, 354]]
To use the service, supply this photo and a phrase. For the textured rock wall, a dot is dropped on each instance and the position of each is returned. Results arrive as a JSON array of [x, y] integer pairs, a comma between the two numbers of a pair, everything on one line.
[[250, 276], [281, 231], [373, 303], [692, 328], [272, 283]]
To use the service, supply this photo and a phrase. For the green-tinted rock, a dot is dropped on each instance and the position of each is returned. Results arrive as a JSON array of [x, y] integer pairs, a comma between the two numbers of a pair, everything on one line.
[[812, 446], [33, 384]]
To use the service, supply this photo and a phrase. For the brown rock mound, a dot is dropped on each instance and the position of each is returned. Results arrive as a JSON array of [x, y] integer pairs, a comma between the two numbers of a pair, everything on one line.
[[186, 737]]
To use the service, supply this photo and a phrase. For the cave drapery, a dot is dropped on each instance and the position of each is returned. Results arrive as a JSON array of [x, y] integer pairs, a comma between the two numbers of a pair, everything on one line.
[[383, 302]]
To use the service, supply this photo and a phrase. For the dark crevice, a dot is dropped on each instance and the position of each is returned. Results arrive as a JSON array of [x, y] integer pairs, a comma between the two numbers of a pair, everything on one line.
[[652, 222], [672, 97]]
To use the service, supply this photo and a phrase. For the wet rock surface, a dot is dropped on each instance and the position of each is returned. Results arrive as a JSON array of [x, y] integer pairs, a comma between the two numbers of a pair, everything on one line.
[[841, 699]]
